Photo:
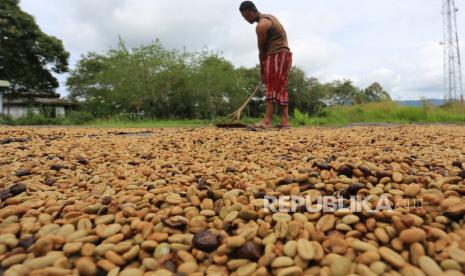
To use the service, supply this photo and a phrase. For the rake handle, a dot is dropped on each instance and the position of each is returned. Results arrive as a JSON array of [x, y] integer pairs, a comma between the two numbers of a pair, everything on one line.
[[237, 114]]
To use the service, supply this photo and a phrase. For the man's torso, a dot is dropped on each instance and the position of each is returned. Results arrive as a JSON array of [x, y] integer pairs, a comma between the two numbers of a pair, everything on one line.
[[277, 37]]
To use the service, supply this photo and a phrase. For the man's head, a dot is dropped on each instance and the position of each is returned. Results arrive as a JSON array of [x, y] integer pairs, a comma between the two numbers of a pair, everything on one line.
[[249, 11]]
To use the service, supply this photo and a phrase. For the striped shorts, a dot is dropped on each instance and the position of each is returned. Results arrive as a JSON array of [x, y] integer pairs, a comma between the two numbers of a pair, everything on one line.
[[277, 68]]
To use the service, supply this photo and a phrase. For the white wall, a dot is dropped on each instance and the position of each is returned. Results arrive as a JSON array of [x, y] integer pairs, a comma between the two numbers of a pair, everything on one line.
[[60, 111], [1, 102], [19, 111]]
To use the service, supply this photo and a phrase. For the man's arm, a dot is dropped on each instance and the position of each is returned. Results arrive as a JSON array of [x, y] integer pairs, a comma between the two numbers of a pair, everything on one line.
[[262, 33]]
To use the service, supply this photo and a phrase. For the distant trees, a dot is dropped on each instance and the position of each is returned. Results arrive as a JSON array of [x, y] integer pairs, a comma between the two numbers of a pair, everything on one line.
[[27, 55], [158, 83]]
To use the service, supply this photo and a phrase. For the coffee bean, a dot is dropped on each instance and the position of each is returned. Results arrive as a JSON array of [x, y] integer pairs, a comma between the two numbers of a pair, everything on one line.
[[462, 174], [249, 251], [178, 222], [206, 241], [231, 170], [345, 170], [366, 171], [83, 161], [50, 181], [17, 189], [323, 166], [56, 167], [27, 242], [22, 173], [457, 164]]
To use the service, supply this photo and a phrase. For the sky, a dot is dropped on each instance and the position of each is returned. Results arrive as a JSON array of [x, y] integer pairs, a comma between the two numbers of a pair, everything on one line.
[[394, 42]]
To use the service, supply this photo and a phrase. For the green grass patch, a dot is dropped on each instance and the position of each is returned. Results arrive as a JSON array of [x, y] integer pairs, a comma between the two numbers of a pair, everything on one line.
[[383, 112]]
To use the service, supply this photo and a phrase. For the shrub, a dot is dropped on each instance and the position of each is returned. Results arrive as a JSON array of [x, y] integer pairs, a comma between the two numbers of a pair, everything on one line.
[[78, 118]]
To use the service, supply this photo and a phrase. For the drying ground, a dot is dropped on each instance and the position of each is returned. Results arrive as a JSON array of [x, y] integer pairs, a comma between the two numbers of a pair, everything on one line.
[[190, 201]]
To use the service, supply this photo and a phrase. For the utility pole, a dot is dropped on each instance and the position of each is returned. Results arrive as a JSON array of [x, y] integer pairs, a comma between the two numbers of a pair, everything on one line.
[[453, 84]]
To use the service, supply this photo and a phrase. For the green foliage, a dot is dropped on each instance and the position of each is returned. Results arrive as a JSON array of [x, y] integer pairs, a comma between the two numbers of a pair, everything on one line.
[[152, 82], [27, 55], [343, 93], [375, 93], [300, 119], [6, 120], [34, 119], [381, 112], [77, 118]]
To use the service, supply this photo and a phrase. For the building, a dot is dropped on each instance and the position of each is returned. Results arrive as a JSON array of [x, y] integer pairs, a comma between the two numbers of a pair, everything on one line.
[[17, 105], [3, 87]]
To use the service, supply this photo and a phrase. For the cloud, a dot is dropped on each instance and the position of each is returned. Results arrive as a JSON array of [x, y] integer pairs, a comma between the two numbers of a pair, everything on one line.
[[393, 42]]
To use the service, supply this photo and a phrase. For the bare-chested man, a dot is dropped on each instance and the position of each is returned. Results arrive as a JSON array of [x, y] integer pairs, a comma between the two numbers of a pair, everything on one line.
[[275, 62]]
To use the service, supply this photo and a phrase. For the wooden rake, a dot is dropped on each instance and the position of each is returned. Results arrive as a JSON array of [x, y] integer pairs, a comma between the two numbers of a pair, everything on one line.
[[234, 119]]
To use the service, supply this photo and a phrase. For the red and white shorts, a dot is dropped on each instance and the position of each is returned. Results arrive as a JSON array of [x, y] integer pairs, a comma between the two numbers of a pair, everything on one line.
[[277, 68]]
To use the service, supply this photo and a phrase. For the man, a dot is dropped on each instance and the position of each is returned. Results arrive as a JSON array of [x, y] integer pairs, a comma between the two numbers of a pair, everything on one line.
[[275, 62]]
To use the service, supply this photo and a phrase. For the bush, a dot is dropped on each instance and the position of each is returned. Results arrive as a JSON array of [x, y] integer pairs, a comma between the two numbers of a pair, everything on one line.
[[33, 119], [78, 118], [301, 119], [6, 120]]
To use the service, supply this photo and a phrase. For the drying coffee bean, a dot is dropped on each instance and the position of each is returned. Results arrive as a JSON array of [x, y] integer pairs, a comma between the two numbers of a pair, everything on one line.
[[22, 173], [249, 251], [206, 241]]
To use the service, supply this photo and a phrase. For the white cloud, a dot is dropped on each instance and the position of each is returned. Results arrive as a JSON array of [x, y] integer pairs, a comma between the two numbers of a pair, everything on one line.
[[393, 42]]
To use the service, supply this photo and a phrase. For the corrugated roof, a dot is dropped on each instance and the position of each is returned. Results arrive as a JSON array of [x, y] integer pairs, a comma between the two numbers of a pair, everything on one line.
[[44, 101], [4, 83]]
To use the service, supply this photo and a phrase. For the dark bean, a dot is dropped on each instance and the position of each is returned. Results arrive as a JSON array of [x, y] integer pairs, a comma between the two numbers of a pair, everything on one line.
[[345, 170], [56, 167], [354, 188], [258, 195], [231, 170], [324, 166], [22, 173], [18, 189], [103, 211], [175, 223], [50, 181], [365, 170], [206, 241], [27, 242], [462, 174], [170, 265], [249, 251], [5, 194], [380, 174], [83, 161], [106, 200]]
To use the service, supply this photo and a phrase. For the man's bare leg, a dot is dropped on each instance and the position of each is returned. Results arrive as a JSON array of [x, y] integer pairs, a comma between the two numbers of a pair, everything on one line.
[[268, 119], [284, 116]]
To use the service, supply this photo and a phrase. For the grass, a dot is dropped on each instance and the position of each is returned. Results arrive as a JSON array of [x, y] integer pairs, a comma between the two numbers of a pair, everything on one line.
[[385, 112]]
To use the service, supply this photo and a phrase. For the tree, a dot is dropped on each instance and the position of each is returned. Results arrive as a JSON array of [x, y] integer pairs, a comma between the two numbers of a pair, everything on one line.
[[27, 55], [375, 93], [305, 94], [343, 93]]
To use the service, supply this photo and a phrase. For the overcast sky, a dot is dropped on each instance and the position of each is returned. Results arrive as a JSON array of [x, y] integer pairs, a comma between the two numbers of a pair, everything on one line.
[[394, 42]]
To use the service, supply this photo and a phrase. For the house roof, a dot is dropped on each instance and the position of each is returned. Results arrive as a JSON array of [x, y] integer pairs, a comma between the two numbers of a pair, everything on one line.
[[44, 101], [4, 83]]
